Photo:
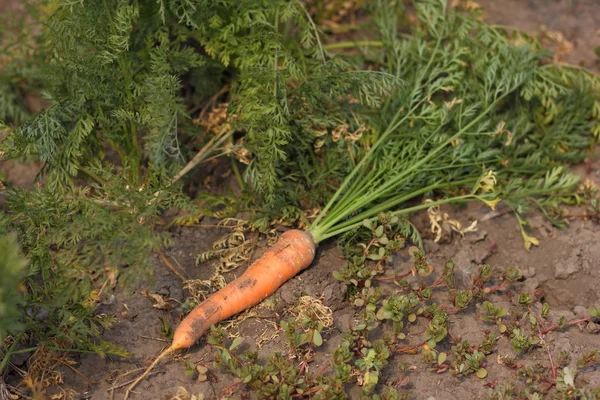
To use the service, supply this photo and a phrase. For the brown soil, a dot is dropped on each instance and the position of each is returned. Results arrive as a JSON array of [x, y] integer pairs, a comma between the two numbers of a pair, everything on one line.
[[564, 267]]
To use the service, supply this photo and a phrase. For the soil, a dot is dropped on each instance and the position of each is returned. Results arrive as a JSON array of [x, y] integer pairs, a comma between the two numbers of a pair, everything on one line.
[[564, 270]]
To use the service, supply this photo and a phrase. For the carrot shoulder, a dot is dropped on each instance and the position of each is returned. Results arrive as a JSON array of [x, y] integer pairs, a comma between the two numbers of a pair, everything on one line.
[[293, 252]]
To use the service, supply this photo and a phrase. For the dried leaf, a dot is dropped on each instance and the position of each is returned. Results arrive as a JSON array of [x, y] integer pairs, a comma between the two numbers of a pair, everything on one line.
[[160, 302]]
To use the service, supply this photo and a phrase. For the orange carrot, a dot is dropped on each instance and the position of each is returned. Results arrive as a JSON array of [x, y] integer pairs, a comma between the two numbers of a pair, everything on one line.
[[293, 252]]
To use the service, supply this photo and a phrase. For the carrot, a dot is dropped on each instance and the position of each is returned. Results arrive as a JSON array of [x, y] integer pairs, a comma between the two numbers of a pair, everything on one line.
[[293, 252]]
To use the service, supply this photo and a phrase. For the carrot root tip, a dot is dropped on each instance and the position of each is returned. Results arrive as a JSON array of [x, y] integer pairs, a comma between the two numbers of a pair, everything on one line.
[[168, 350]]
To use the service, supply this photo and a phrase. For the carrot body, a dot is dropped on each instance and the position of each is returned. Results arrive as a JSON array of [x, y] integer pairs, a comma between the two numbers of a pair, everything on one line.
[[293, 252]]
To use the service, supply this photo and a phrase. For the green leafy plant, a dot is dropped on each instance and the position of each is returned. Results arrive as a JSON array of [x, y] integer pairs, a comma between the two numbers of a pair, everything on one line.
[[367, 301], [417, 135], [374, 241], [450, 111], [299, 334], [462, 298], [522, 342], [468, 362], [371, 363], [279, 375], [492, 313], [131, 92], [400, 308], [508, 391], [13, 266], [437, 329]]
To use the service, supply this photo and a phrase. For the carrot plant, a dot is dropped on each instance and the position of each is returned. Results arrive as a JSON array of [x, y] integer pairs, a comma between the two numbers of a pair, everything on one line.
[[135, 95], [454, 111], [12, 268], [441, 134], [476, 118]]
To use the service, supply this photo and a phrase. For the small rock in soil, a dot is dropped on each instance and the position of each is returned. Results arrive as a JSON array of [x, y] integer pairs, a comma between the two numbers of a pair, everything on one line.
[[540, 223], [328, 293], [563, 313], [288, 296], [343, 321], [536, 221], [566, 268], [176, 292], [562, 344], [530, 285], [529, 272], [430, 246], [478, 237], [465, 268], [20, 359], [481, 255], [591, 253], [580, 311], [108, 299], [545, 232]]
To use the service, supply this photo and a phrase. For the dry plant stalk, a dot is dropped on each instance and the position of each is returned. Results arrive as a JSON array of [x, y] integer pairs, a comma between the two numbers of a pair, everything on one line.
[[555, 40], [335, 12], [312, 308], [231, 251], [182, 394], [441, 222]]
